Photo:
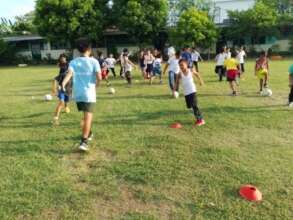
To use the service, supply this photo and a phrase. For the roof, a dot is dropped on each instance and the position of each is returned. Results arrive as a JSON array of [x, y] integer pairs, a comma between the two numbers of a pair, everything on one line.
[[22, 38]]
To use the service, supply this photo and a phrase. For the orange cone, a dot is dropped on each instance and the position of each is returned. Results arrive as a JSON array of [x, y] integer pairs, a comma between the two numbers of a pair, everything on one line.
[[250, 193], [176, 125]]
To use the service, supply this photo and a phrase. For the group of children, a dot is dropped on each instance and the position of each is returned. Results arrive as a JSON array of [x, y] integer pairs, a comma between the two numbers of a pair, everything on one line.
[[85, 72]]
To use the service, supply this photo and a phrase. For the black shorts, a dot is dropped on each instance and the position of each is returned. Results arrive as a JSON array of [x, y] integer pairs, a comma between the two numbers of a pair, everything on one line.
[[149, 68], [86, 106], [195, 63], [220, 70], [191, 100], [242, 67]]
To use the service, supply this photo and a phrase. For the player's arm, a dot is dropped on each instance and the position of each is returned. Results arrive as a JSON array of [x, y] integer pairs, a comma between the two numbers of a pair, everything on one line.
[[67, 78], [198, 76], [99, 78], [54, 87]]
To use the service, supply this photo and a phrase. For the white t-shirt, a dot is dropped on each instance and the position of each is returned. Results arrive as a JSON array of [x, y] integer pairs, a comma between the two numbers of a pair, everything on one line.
[[157, 63], [241, 56], [228, 55], [174, 65], [111, 62], [126, 66], [188, 84], [220, 59], [195, 56]]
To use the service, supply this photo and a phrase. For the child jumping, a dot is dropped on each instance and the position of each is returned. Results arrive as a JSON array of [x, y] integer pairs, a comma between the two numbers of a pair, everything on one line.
[[189, 89], [232, 66], [173, 70], [291, 86], [262, 70], [57, 85], [86, 73]]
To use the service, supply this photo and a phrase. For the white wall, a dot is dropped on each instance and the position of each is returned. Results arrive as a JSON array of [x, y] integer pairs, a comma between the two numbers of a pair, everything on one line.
[[225, 5]]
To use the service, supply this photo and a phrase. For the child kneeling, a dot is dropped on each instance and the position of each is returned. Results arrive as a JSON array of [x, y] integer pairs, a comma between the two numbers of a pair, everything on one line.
[[189, 89]]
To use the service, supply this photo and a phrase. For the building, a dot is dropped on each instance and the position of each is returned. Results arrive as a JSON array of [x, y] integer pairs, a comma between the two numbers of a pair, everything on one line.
[[221, 8]]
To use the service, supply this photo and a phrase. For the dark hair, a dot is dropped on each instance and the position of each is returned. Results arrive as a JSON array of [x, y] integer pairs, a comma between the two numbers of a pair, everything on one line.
[[262, 53], [125, 50], [59, 60], [183, 60], [177, 54], [233, 54], [158, 56], [83, 45]]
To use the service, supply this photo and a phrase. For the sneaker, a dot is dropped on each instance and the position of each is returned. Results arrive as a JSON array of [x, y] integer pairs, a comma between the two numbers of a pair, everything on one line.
[[291, 104], [56, 121], [91, 137], [200, 122], [83, 146], [67, 110]]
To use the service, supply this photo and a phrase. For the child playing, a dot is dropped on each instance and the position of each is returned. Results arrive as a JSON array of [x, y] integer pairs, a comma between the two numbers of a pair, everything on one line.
[[220, 69], [127, 66], [262, 70], [241, 58], [149, 60], [157, 68], [105, 73], [232, 67], [57, 85], [291, 86], [189, 89], [111, 61], [86, 73], [173, 70]]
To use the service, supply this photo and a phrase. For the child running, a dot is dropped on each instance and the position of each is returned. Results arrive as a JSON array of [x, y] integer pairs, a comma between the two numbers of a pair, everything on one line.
[[105, 73], [111, 61], [262, 70], [189, 89], [232, 67], [173, 70], [57, 85], [195, 56], [149, 60], [86, 73], [220, 69], [241, 58], [157, 70], [127, 66], [291, 86], [141, 63]]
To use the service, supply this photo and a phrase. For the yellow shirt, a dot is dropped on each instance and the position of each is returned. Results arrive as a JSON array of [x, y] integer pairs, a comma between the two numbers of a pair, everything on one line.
[[231, 64]]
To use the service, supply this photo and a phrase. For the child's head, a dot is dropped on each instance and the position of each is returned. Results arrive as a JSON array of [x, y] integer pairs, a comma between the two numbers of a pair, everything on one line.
[[263, 53], [183, 65], [234, 53], [62, 59], [111, 55], [83, 45], [177, 54]]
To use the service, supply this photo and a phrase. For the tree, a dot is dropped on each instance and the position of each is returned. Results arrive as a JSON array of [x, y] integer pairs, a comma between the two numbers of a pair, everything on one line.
[[195, 27], [142, 19], [25, 24], [68, 20], [259, 21], [5, 27]]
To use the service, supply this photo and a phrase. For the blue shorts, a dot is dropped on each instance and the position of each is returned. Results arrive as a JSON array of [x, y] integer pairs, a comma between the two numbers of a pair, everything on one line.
[[157, 71], [63, 97]]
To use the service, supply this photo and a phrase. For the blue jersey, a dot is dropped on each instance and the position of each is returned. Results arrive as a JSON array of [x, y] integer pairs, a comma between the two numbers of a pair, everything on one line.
[[187, 56], [291, 70], [84, 78]]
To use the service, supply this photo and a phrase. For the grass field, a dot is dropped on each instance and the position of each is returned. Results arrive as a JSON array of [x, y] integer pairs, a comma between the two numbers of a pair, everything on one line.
[[138, 168]]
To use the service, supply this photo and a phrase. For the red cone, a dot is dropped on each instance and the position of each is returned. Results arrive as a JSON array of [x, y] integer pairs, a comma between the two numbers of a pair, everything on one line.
[[176, 126], [250, 193]]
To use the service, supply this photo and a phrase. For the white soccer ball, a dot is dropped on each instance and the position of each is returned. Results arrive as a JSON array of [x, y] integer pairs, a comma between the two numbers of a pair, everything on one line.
[[48, 98], [112, 91], [267, 92], [176, 95]]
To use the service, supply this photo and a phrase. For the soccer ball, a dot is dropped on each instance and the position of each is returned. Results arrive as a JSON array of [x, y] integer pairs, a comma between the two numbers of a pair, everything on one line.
[[176, 95], [267, 92], [112, 91], [48, 98]]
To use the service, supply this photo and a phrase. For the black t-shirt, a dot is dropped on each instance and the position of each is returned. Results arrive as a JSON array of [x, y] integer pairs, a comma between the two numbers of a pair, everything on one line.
[[62, 73]]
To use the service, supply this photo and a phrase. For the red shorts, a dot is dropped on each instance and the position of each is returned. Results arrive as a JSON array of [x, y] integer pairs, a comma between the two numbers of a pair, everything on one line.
[[232, 74], [104, 74]]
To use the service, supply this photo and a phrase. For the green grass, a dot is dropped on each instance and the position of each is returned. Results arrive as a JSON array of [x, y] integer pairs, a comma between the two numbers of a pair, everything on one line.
[[139, 168]]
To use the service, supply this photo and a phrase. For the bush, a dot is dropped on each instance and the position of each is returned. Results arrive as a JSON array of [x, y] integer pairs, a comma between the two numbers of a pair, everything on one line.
[[7, 53]]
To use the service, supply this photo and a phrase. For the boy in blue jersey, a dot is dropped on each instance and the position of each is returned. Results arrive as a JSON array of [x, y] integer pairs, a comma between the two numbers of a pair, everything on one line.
[[186, 55], [86, 74]]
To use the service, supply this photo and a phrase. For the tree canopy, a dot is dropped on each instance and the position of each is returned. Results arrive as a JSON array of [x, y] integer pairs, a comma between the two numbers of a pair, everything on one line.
[[195, 27]]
